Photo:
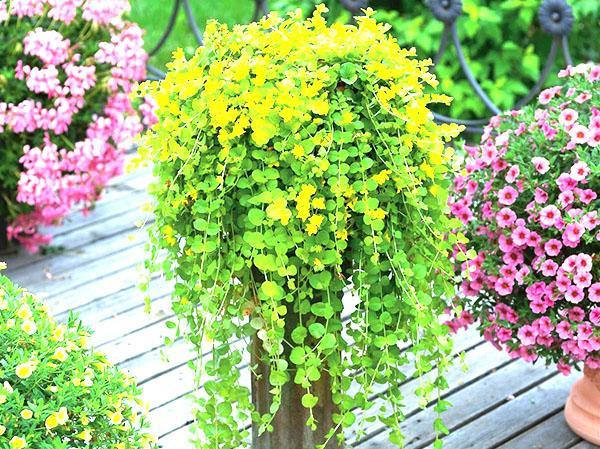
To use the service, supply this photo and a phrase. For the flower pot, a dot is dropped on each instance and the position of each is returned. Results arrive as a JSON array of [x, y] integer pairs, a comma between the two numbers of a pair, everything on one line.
[[582, 411]]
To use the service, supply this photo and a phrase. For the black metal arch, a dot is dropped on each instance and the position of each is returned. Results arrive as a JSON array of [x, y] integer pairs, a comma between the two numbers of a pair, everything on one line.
[[555, 17]]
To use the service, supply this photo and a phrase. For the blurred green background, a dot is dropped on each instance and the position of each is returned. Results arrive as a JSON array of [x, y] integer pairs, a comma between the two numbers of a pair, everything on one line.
[[153, 16]]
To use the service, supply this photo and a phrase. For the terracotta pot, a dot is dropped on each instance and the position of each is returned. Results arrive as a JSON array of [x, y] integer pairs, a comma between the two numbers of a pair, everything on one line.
[[582, 411]]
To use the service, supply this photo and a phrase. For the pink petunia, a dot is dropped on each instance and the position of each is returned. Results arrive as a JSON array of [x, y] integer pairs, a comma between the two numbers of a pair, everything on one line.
[[507, 195], [579, 134], [527, 334], [541, 164], [574, 294], [567, 117], [579, 171], [505, 217]]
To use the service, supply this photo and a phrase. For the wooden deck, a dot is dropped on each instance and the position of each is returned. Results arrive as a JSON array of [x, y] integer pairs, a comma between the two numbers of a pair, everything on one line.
[[498, 403]]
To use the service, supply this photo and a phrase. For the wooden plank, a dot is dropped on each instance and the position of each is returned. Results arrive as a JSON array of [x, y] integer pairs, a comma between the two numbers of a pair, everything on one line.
[[585, 445], [44, 270], [94, 275], [120, 326], [552, 433], [81, 238], [510, 418], [469, 404]]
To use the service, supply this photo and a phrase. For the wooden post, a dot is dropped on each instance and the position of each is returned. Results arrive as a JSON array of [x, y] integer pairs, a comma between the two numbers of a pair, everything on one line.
[[289, 425]]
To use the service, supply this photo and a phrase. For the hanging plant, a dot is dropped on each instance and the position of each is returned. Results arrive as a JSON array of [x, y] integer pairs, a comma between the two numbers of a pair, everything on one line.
[[56, 392], [296, 161], [66, 71], [529, 200]]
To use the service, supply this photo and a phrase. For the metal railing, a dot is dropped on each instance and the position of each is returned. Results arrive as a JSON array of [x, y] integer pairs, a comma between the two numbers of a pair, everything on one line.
[[555, 17]]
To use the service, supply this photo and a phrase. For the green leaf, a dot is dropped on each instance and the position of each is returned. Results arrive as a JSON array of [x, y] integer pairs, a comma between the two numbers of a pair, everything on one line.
[[265, 262], [328, 342], [317, 330], [309, 400], [322, 309], [256, 217], [271, 290], [320, 280]]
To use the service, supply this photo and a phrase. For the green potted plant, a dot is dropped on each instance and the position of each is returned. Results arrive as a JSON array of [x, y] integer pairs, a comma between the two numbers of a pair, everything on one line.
[[295, 162]]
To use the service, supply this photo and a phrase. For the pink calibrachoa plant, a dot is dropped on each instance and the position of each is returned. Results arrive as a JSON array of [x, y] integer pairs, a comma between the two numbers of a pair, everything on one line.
[[67, 69], [529, 201]]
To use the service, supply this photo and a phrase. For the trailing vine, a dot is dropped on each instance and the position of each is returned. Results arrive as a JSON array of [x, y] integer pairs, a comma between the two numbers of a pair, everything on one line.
[[294, 162]]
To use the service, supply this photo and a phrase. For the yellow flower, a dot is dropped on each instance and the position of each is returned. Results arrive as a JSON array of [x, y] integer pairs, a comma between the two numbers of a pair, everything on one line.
[[60, 354], [18, 443], [346, 118], [376, 214], [3, 266], [28, 327], [26, 414], [278, 211], [382, 176], [24, 312], [313, 224], [318, 203], [3, 303], [318, 264], [427, 169], [58, 333], [85, 420], [115, 417], [298, 151], [62, 416], [10, 323], [2, 429], [24, 370], [303, 201], [51, 422], [85, 435], [342, 234], [2, 399]]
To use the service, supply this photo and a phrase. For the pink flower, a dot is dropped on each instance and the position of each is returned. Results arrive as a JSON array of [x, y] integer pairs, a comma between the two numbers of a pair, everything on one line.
[[540, 196], [595, 316], [504, 286], [572, 234], [579, 171], [549, 216], [512, 174], [574, 294], [549, 268], [563, 368], [541, 164], [527, 334], [552, 247], [567, 117], [505, 217], [594, 292], [507, 195], [579, 134]]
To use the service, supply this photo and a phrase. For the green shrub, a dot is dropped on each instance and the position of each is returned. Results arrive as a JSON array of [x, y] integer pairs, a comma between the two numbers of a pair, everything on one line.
[[294, 161], [503, 42], [56, 393]]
